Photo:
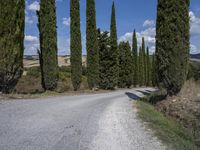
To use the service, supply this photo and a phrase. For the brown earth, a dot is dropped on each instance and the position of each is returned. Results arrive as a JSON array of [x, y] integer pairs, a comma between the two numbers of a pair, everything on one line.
[[184, 107]]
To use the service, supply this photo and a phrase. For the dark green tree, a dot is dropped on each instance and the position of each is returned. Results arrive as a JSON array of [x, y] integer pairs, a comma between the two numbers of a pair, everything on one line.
[[144, 61], [105, 65], [141, 67], [114, 48], [172, 44], [12, 18], [48, 43], [153, 71], [125, 65], [75, 46], [148, 66], [92, 46], [135, 59]]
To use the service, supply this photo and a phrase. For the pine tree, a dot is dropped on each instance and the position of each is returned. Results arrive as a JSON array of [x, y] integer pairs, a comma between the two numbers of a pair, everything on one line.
[[12, 19], [114, 48], [148, 66], [48, 43], [135, 59], [105, 65], [75, 46], [92, 46], [125, 65], [172, 44]]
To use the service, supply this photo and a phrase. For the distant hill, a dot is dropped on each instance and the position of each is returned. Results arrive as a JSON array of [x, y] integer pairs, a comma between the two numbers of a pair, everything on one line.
[[195, 56]]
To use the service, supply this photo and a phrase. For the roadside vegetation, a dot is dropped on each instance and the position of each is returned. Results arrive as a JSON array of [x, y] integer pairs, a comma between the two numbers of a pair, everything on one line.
[[175, 119], [173, 134]]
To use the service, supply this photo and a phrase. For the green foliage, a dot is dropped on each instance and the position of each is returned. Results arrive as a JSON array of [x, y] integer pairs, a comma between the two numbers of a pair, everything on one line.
[[142, 65], [34, 72], [172, 44], [135, 59], [92, 46], [48, 44], [141, 68], [114, 49], [153, 71], [144, 61], [75, 46], [194, 72], [148, 66], [12, 19], [125, 65], [105, 63]]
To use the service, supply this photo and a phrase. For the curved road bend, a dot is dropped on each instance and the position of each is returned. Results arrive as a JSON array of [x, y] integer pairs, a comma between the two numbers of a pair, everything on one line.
[[86, 122]]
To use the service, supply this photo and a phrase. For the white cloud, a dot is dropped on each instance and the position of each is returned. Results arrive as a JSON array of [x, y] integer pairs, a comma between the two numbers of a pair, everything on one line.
[[34, 6], [31, 44], [148, 34], [149, 23], [32, 39], [194, 49], [194, 24], [28, 19], [66, 21]]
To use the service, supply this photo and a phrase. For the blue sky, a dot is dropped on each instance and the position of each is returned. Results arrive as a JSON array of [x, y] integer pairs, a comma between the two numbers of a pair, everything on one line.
[[130, 15]]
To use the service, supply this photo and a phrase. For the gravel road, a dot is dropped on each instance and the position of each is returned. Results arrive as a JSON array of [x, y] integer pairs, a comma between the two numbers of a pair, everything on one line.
[[86, 122]]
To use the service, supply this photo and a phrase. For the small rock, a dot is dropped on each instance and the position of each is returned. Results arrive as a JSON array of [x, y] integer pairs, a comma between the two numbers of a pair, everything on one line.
[[174, 100]]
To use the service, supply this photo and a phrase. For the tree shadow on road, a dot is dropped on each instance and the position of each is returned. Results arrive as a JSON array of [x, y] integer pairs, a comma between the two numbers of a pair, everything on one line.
[[132, 96], [144, 92]]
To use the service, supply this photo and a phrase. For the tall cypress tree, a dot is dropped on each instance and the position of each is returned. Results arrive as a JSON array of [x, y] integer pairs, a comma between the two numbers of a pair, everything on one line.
[[144, 62], [114, 48], [135, 59], [141, 67], [75, 46], [48, 43], [153, 71], [172, 44], [148, 66], [12, 18], [125, 65], [92, 46]]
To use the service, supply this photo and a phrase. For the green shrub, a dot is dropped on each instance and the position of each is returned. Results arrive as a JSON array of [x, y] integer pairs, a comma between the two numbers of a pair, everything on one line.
[[155, 97], [34, 72], [194, 72], [65, 69]]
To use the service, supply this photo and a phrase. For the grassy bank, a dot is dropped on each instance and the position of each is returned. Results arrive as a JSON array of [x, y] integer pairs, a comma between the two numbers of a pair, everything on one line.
[[174, 135]]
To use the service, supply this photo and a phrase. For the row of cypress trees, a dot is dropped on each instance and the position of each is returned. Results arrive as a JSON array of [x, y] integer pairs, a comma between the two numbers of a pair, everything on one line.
[[108, 65]]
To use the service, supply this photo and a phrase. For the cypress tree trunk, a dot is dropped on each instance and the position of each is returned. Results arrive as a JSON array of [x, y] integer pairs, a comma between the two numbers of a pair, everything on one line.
[[12, 19], [135, 59], [75, 46], [92, 46], [125, 65], [114, 48], [48, 43], [172, 44]]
